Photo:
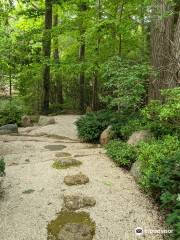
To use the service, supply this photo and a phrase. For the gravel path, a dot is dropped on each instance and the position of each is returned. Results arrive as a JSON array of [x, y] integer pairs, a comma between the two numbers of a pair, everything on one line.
[[34, 190]]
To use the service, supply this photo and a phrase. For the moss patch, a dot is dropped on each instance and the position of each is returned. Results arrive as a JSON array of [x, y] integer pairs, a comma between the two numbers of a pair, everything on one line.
[[66, 163], [55, 147], [66, 217]]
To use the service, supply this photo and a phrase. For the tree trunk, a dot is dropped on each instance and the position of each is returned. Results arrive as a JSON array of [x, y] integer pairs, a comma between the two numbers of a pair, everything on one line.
[[82, 73], [175, 67], [58, 79], [161, 37], [47, 54], [96, 72], [82, 48]]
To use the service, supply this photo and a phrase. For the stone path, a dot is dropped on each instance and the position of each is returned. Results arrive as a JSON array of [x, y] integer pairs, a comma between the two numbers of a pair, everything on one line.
[[35, 192]]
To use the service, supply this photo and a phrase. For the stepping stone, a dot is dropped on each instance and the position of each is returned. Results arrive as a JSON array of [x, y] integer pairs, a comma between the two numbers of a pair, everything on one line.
[[77, 179], [29, 191], [55, 147], [66, 163], [63, 154], [71, 225], [75, 202], [76, 231]]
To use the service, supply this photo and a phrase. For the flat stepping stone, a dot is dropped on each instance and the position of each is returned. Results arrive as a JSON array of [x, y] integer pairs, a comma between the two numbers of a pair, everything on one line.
[[75, 202], [77, 179], [63, 154], [55, 147], [28, 191], [66, 163], [71, 226], [76, 231]]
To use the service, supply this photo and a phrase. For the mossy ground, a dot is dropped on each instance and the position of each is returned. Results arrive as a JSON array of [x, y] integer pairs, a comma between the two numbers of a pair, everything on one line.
[[65, 217], [58, 165]]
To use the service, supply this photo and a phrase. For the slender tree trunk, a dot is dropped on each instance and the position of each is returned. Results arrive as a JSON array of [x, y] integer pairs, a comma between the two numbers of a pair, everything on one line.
[[120, 35], [82, 49], [47, 54], [58, 79], [161, 38], [10, 83], [82, 73], [96, 72]]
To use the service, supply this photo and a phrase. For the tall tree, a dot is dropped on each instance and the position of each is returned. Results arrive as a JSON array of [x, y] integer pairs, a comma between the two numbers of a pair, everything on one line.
[[82, 47], [58, 77], [47, 54], [97, 54], [164, 48]]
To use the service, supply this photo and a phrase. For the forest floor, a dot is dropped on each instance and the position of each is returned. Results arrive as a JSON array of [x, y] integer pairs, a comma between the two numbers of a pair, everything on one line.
[[34, 189]]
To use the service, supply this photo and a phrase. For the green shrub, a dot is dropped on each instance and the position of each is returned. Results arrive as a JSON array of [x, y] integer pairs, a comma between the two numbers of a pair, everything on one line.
[[151, 156], [124, 83], [91, 125], [2, 167], [10, 112], [161, 176], [164, 117], [122, 153]]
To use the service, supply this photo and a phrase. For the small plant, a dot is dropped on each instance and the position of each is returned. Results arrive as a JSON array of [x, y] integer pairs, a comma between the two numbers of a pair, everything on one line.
[[164, 117], [152, 155], [2, 167], [11, 111], [122, 153], [92, 125]]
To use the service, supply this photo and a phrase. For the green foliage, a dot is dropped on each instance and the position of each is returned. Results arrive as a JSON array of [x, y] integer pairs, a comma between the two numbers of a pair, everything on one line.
[[2, 167], [92, 125], [124, 83], [11, 111], [122, 153], [160, 166], [151, 156], [164, 117]]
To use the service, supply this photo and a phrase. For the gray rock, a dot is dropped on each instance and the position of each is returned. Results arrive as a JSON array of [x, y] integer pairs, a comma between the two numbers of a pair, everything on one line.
[[44, 121], [76, 231], [28, 121], [75, 202], [77, 179], [138, 136], [136, 170], [106, 136], [9, 129]]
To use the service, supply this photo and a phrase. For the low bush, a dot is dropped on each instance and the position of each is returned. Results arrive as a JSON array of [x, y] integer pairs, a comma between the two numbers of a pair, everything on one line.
[[91, 125], [160, 167], [163, 117], [122, 153], [151, 156], [11, 111], [2, 167]]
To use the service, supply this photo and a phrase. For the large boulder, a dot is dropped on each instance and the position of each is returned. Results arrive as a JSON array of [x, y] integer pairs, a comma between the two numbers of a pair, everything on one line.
[[136, 170], [44, 121], [106, 136], [9, 129], [139, 136]]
